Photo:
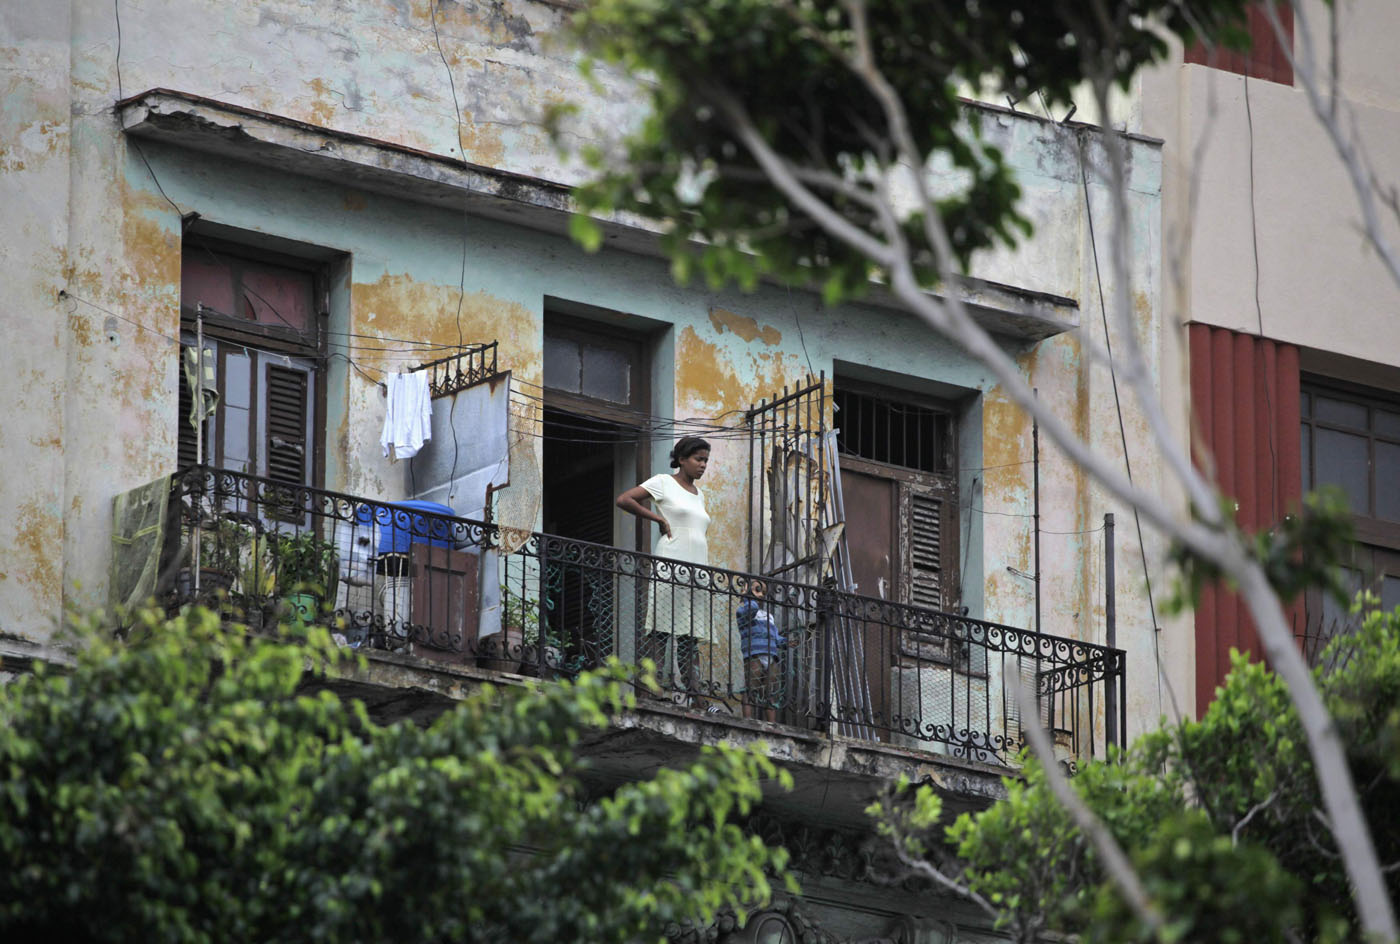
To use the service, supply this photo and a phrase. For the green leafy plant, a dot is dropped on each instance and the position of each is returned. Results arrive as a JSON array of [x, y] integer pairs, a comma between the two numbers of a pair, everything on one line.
[[184, 786], [721, 73], [306, 564], [522, 615], [234, 549], [1218, 815]]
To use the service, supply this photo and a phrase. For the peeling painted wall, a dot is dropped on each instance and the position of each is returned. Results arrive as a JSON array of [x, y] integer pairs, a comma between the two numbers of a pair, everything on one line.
[[93, 382]]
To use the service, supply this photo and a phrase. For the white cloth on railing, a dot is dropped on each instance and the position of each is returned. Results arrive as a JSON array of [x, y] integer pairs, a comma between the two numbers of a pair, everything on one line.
[[408, 418]]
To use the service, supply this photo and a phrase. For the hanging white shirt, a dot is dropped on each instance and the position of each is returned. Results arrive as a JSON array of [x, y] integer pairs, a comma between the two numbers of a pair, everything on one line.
[[408, 418]]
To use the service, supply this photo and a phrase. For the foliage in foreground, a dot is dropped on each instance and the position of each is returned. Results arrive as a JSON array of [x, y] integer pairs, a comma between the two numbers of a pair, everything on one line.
[[1221, 817], [178, 787]]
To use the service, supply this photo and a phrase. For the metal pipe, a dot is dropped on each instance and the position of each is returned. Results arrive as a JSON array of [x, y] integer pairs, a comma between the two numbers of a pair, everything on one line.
[[1035, 474], [1110, 616], [195, 562]]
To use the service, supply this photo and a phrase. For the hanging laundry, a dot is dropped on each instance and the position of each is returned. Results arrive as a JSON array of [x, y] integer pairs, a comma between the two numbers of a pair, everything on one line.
[[408, 419], [208, 384]]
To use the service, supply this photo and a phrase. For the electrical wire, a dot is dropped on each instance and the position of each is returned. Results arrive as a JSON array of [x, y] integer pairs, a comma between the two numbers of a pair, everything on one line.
[[1123, 434], [462, 277], [1258, 303], [64, 294], [800, 335]]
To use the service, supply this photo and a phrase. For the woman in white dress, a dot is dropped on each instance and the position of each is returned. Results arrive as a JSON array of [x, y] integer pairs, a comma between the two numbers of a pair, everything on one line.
[[678, 612]]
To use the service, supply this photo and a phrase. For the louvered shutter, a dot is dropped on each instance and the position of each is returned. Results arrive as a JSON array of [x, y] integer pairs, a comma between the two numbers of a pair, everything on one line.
[[926, 551], [286, 447]]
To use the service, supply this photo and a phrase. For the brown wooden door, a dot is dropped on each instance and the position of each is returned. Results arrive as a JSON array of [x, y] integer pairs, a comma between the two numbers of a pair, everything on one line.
[[872, 534], [446, 604]]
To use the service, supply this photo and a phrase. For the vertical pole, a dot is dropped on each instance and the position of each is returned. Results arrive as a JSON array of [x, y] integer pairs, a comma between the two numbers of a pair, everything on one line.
[[1035, 474], [198, 433], [753, 538], [1110, 616]]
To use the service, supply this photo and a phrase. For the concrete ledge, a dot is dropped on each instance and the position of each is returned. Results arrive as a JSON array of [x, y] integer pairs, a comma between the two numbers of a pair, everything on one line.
[[352, 160], [835, 777]]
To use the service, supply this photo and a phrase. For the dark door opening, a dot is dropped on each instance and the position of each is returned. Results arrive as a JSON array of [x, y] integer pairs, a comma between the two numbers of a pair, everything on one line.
[[585, 460]]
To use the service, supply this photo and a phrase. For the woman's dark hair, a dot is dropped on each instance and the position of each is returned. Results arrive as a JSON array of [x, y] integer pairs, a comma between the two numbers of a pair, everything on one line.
[[688, 446]]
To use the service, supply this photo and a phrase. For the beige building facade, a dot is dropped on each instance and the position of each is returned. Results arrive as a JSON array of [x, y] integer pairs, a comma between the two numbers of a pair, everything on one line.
[[1282, 353]]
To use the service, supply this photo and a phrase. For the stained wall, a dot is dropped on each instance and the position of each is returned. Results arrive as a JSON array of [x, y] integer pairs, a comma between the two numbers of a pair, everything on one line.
[[93, 378]]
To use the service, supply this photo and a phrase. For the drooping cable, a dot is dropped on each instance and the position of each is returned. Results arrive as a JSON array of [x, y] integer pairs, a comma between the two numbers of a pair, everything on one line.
[[1123, 434]]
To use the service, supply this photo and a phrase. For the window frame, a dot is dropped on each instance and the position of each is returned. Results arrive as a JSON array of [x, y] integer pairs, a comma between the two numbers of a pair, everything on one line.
[[1376, 551], [947, 450], [631, 344], [911, 482], [229, 332], [1370, 529]]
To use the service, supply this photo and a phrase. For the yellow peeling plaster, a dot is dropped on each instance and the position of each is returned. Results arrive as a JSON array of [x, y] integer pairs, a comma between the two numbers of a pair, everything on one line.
[[711, 383], [152, 266], [398, 306], [1005, 434], [31, 561], [744, 327]]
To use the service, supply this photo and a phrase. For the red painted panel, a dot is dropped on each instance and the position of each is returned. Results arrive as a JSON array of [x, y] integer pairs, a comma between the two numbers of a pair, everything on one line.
[[1266, 59], [1244, 394], [1248, 418], [1202, 439], [1222, 348]]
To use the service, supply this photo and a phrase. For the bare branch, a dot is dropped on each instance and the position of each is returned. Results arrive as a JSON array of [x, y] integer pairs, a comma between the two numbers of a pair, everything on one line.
[[925, 869], [780, 172], [1348, 822], [1262, 804], [1115, 860], [954, 320], [1216, 544], [1324, 744], [1330, 116]]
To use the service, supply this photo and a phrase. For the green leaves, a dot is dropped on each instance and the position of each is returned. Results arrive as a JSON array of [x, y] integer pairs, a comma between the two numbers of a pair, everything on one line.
[[184, 787], [1219, 816], [1305, 550], [789, 72]]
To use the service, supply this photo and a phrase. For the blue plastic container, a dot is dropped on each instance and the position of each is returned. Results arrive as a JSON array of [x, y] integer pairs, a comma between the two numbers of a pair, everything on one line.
[[399, 526]]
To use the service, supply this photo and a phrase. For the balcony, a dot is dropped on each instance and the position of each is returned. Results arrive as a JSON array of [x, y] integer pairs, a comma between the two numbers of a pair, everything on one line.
[[407, 578]]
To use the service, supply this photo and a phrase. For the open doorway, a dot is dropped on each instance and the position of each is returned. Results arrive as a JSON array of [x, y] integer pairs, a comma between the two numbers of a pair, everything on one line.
[[595, 401], [581, 464], [585, 460]]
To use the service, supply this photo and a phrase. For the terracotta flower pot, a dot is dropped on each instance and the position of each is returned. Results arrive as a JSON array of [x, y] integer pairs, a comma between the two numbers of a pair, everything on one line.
[[503, 651]]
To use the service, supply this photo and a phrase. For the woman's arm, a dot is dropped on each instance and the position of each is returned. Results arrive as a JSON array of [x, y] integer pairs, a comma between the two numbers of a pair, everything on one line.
[[631, 501]]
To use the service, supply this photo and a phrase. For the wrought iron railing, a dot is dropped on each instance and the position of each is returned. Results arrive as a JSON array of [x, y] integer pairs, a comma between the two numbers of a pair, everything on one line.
[[407, 576]]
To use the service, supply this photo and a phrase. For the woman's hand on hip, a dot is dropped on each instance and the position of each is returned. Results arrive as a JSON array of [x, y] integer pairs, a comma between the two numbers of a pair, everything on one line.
[[665, 526]]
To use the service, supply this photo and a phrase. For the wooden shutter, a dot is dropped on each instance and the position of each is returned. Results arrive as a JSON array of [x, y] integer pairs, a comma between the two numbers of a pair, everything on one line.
[[926, 550], [287, 448]]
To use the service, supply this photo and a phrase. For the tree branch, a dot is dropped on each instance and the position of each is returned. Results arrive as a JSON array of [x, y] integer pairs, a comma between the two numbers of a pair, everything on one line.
[[1214, 544], [1115, 860], [1262, 804], [1329, 115]]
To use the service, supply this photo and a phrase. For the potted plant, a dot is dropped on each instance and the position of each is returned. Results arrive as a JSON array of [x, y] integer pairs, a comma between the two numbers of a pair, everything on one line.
[[520, 620], [308, 570], [235, 565]]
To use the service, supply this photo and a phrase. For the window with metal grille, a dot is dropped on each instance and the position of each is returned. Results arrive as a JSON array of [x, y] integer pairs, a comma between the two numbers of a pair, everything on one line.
[[899, 464], [907, 433]]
